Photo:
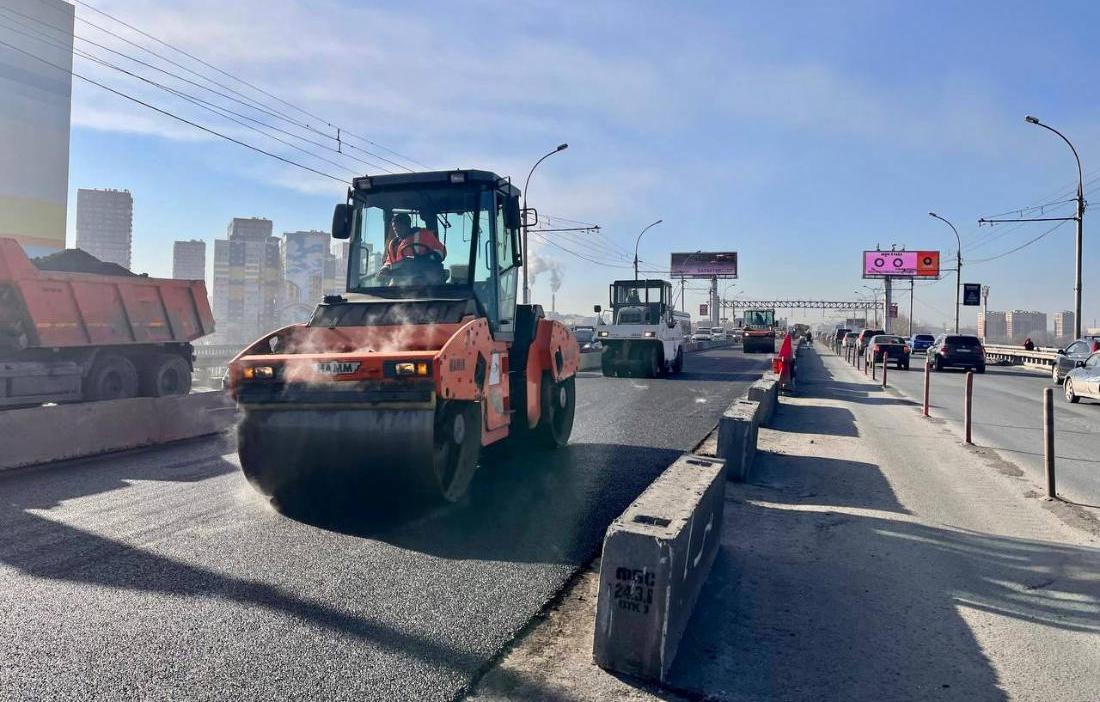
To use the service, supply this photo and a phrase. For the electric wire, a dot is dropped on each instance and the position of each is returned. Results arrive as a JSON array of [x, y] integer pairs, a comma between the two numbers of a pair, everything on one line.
[[268, 109], [174, 116], [258, 89]]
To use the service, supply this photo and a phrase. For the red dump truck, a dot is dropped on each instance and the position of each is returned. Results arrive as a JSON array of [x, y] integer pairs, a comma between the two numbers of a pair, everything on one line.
[[74, 328]]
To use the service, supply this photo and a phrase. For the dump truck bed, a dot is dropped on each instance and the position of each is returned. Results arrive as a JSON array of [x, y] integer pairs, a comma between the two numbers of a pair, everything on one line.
[[61, 309]]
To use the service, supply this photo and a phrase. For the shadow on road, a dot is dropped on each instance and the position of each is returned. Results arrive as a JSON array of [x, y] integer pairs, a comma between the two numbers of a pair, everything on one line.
[[544, 507]]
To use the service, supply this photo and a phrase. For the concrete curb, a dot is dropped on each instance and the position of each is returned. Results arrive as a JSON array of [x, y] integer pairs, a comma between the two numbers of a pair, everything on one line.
[[656, 557], [737, 430], [92, 428]]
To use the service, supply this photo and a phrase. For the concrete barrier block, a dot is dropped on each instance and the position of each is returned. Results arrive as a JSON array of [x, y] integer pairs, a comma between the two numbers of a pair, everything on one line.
[[766, 392], [737, 429], [590, 361], [656, 557], [92, 428]]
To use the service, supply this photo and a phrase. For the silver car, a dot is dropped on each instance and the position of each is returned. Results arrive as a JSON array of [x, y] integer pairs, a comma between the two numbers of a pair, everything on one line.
[[1067, 358], [1084, 380]]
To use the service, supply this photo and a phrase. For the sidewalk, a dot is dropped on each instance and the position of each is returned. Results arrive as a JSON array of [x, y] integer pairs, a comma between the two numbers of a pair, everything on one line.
[[871, 557]]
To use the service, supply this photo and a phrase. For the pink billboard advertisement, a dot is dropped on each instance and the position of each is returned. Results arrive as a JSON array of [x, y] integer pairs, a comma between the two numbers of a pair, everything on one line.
[[901, 264]]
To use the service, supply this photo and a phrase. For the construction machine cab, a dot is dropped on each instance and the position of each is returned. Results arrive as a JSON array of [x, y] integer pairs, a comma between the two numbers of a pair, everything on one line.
[[759, 319], [463, 242], [641, 301]]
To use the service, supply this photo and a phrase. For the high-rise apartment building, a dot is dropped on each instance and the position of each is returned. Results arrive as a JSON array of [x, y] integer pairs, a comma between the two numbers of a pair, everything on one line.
[[249, 286], [189, 260], [305, 254], [1023, 323], [35, 109], [104, 224], [992, 326], [1063, 325], [336, 269], [249, 229]]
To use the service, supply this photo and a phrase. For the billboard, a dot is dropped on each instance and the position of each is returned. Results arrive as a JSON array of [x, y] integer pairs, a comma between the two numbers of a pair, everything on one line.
[[901, 264], [34, 126], [704, 264]]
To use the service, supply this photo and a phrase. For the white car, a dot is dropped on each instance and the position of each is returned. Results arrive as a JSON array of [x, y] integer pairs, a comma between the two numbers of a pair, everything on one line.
[[701, 336], [1084, 380], [718, 334]]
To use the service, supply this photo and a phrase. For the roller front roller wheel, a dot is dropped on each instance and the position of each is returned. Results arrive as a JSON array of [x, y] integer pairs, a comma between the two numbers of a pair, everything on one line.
[[559, 403], [456, 448]]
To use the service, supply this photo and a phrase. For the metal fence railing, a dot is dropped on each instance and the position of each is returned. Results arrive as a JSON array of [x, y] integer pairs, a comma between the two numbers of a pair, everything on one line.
[[1040, 357]]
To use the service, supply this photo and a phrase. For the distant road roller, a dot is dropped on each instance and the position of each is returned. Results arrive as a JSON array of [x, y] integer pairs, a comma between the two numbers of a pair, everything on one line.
[[400, 382]]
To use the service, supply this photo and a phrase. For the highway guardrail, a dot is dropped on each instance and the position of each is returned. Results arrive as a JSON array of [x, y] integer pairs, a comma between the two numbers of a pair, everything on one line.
[[1039, 357]]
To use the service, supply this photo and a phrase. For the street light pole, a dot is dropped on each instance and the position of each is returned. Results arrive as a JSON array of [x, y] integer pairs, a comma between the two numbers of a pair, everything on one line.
[[526, 288], [637, 241], [958, 266], [1079, 218]]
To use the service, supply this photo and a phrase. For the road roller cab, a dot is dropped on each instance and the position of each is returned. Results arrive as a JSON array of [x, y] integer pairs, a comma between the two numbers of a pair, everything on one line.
[[423, 361]]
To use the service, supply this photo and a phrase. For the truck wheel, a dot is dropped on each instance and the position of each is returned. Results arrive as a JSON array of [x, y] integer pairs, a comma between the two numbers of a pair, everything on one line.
[[559, 403], [112, 378], [166, 374], [457, 447]]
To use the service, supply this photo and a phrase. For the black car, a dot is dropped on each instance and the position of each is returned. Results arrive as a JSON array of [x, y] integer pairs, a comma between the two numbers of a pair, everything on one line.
[[894, 348], [956, 351]]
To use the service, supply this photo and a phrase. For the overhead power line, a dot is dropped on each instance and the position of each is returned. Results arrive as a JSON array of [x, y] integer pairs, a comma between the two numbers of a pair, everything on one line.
[[174, 116], [301, 110], [45, 38]]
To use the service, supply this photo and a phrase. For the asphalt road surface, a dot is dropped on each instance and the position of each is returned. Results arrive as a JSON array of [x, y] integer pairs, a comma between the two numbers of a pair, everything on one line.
[[161, 575], [1008, 406]]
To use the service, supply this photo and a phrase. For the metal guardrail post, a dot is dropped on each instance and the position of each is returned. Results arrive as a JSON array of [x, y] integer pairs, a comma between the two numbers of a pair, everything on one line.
[[968, 404], [885, 365], [874, 368], [1048, 441]]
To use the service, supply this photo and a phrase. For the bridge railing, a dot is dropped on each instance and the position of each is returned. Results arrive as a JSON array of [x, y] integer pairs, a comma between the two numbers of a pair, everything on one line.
[[1042, 357]]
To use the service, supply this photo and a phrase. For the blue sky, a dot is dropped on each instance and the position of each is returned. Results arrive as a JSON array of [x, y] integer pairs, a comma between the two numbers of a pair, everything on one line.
[[797, 134]]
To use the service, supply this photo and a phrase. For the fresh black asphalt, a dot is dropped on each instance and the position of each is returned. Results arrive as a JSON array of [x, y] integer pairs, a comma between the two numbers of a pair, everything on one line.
[[161, 575]]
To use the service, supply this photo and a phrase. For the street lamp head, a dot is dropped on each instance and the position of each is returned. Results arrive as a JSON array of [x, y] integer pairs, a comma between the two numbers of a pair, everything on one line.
[[562, 147], [1033, 120], [933, 214]]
